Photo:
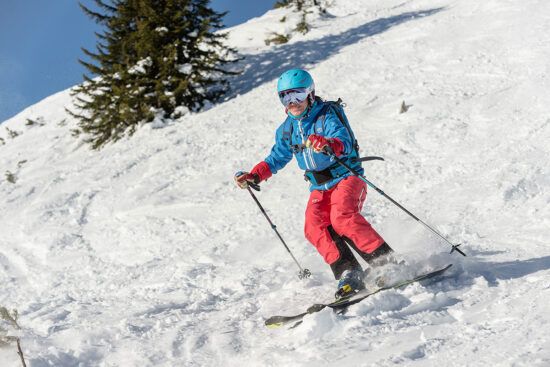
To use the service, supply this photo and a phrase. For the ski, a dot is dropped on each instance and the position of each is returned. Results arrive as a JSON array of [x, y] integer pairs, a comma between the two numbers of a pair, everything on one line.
[[341, 304]]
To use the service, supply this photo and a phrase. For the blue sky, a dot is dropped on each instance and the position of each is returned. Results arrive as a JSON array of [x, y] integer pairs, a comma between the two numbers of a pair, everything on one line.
[[40, 43]]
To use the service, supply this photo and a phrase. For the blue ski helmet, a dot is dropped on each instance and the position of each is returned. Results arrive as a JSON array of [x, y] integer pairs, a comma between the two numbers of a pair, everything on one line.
[[296, 78]]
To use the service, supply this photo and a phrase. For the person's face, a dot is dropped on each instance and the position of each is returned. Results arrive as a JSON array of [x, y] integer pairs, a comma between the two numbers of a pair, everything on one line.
[[296, 109]]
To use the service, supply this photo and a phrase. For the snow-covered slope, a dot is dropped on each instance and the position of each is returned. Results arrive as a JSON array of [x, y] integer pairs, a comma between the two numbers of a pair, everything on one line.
[[146, 254]]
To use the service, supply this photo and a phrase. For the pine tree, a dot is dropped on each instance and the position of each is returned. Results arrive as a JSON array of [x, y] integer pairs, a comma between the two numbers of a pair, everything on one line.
[[154, 56]]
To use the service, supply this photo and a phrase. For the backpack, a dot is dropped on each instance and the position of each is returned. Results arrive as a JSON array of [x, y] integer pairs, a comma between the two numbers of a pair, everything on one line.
[[335, 106], [336, 170]]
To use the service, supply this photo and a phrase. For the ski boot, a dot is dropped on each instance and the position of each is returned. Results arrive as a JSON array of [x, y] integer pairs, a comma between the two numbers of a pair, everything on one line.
[[350, 283]]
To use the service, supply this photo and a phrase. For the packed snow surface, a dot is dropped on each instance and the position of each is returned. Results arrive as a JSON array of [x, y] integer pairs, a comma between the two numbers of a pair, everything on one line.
[[147, 254]]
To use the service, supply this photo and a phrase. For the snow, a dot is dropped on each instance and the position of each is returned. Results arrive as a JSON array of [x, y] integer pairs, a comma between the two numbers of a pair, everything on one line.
[[185, 68], [147, 254], [139, 68]]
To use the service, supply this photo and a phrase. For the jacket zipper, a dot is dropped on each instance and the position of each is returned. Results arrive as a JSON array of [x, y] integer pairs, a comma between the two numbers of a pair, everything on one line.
[[306, 152]]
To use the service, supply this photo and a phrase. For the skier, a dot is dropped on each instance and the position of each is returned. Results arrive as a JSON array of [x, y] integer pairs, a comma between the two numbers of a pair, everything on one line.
[[333, 215]]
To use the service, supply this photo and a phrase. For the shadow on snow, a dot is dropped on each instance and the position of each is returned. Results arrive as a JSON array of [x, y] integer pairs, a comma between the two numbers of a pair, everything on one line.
[[267, 66], [493, 272]]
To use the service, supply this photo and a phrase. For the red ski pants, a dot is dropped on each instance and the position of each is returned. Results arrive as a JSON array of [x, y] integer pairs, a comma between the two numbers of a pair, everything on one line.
[[341, 208]]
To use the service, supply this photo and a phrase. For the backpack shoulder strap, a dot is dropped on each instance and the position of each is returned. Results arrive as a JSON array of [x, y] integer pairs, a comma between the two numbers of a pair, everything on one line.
[[321, 115], [336, 107], [287, 131]]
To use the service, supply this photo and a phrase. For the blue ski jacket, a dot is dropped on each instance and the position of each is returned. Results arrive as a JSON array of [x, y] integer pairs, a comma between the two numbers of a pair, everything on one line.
[[328, 126]]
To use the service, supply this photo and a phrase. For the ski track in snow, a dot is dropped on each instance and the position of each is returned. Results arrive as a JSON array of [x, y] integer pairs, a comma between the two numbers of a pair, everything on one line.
[[146, 254]]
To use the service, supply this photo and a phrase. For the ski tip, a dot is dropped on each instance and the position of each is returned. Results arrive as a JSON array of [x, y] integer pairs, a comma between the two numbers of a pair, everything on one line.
[[441, 270], [274, 322], [274, 325], [278, 321]]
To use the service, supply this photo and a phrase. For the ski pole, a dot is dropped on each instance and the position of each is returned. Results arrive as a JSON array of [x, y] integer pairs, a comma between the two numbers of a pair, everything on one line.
[[330, 152], [304, 273]]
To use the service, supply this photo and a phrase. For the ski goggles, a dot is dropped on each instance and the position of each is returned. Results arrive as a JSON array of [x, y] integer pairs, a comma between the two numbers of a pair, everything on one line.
[[297, 95]]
